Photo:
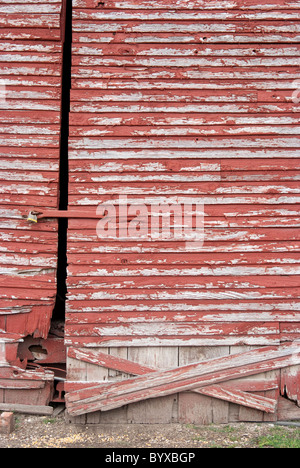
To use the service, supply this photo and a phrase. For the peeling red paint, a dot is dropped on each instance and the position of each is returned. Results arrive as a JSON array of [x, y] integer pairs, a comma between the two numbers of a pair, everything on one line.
[[31, 44], [171, 100]]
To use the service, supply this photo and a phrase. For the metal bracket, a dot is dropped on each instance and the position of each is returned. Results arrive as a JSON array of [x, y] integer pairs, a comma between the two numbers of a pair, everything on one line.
[[35, 216]]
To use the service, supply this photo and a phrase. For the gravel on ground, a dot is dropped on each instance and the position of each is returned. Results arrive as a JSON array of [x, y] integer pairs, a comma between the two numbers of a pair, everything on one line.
[[47, 432]]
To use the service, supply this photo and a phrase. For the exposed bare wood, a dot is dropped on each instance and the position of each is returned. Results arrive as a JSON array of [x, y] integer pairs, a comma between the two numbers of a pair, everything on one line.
[[27, 409], [180, 379]]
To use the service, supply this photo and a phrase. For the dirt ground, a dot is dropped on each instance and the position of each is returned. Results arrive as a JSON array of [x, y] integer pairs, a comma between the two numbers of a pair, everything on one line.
[[46, 432]]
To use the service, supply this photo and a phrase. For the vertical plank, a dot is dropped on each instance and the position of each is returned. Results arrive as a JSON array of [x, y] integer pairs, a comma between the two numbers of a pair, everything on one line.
[[243, 413], [162, 410], [233, 413], [157, 357], [119, 415], [250, 414], [77, 370], [275, 395], [200, 409], [290, 383], [96, 373], [195, 409], [123, 354]]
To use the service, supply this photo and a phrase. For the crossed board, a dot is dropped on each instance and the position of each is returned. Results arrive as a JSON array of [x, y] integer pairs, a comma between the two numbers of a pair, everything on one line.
[[211, 378]]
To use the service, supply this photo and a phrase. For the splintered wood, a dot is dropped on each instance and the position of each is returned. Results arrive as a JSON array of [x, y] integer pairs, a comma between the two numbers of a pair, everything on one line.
[[191, 377], [31, 50], [227, 393]]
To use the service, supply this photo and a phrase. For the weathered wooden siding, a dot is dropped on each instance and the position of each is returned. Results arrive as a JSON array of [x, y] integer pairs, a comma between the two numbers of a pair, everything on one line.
[[31, 54], [172, 100]]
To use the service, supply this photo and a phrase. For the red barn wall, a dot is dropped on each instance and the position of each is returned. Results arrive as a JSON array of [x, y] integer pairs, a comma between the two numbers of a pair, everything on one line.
[[173, 100], [190, 104], [31, 55]]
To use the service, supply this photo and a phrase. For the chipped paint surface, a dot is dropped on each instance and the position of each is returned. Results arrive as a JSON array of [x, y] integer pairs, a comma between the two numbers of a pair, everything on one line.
[[31, 46], [31, 59], [172, 100]]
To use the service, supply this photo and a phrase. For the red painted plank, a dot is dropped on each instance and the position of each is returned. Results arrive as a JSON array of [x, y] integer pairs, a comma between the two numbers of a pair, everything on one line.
[[179, 316], [182, 259], [111, 362], [193, 95], [176, 329], [239, 397], [190, 5], [191, 38], [239, 50]]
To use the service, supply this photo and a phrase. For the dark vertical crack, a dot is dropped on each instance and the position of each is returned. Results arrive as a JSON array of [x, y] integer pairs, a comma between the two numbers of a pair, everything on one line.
[[59, 310]]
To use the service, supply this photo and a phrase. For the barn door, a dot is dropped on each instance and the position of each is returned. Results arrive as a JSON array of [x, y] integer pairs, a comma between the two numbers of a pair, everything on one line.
[[182, 112], [181, 209]]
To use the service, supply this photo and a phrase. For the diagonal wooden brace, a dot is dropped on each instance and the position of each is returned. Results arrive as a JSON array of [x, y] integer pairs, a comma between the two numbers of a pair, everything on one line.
[[191, 377], [228, 393]]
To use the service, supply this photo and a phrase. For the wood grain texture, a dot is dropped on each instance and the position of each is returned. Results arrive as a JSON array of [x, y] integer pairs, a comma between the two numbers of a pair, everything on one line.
[[31, 49], [171, 100], [228, 393], [185, 378]]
